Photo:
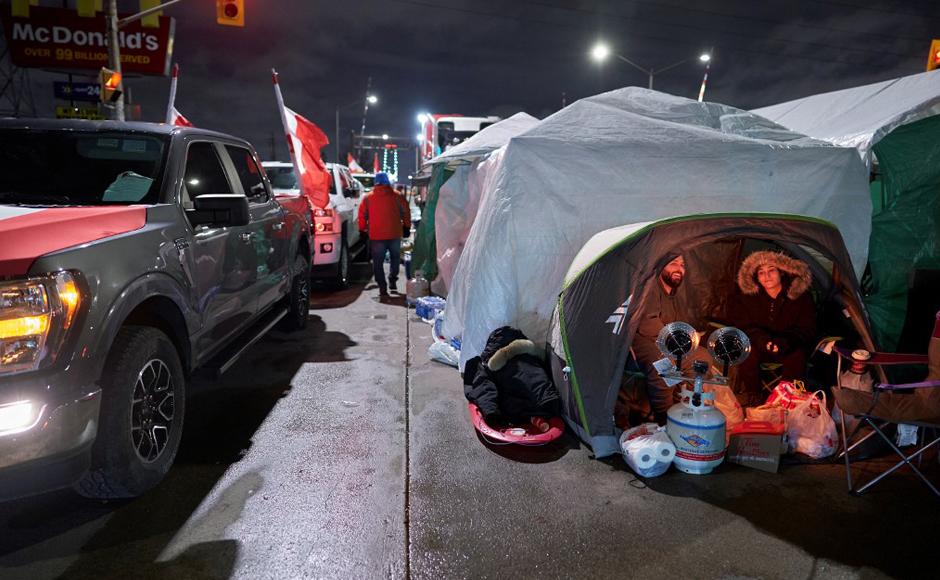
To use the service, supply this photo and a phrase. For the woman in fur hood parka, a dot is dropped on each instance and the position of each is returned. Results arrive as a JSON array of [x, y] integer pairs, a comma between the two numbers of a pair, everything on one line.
[[777, 313]]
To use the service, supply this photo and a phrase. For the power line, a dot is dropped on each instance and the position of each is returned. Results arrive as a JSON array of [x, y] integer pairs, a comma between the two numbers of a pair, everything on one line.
[[726, 32], [875, 9], [671, 40]]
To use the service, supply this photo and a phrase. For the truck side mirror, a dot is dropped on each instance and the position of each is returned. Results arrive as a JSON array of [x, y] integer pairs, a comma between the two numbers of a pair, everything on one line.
[[220, 210]]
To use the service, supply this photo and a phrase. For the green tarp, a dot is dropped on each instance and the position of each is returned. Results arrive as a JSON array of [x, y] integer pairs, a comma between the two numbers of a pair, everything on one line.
[[424, 254], [905, 224]]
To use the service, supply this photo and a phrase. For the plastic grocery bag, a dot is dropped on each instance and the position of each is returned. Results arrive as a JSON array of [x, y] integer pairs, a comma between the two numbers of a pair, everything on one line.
[[647, 449], [788, 394], [444, 353], [810, 428], [769, 413], [728, 404]]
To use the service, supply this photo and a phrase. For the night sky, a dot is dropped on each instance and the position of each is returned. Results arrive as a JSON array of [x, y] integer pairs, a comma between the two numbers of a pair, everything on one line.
[[480, 57]]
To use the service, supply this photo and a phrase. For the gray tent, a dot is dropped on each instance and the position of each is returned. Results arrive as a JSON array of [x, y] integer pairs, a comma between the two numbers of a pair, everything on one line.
[[609, 281]]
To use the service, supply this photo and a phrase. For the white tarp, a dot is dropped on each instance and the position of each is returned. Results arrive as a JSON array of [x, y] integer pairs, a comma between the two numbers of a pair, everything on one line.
[[459, 197], [859, 117], [623, 157]]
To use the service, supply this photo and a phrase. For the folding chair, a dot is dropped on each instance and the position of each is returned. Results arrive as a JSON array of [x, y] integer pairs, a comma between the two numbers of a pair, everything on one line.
[[770, 375], [884, 406]]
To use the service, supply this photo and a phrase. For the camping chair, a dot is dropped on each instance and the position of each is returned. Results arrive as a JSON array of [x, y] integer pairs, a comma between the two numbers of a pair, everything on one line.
[[770, 375], [884, 406]]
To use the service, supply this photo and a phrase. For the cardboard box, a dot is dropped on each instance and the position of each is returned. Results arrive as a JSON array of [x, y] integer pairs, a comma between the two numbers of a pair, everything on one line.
[[757, 444]]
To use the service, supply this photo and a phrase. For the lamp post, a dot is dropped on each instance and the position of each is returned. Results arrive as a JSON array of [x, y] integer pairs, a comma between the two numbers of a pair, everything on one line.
[[420, 140], [369, 100], [707, 59], [601, 52]]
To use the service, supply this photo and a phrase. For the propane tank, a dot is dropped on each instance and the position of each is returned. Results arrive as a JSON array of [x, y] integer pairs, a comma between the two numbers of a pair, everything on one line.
[[416, 288], [696, 428]]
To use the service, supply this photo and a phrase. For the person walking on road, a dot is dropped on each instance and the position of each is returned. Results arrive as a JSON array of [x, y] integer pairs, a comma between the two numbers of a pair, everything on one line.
[[384, 216]]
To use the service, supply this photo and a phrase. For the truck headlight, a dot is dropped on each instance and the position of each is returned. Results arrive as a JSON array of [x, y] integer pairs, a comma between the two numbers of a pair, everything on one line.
[[19, 416], [35, 315]]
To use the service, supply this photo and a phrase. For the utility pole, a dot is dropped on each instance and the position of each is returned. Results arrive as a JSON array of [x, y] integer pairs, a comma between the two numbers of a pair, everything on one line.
[[365, 110], [114, 58], [114, 45]]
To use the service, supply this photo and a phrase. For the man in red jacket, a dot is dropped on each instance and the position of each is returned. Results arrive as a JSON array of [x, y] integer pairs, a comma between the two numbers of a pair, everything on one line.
[[384, 216]]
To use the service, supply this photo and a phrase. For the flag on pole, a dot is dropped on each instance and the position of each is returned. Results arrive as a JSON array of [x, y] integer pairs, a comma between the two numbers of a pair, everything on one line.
[[304, 141], [354, 167], [177, 118], [173, 116]]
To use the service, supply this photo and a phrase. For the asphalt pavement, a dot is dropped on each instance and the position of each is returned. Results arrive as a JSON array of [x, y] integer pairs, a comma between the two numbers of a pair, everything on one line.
[[343, 452]]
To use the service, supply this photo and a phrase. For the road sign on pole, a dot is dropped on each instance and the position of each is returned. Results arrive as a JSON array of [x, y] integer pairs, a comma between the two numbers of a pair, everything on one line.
[[76, 91]]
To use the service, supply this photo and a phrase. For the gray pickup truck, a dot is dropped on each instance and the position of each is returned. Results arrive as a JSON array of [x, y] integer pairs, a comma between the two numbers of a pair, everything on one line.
[[131, 256]]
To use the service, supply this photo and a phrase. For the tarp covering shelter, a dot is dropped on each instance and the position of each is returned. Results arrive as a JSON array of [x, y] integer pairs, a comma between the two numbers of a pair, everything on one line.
[[610, 280], [627, 156], [454, 207], [895, 125]]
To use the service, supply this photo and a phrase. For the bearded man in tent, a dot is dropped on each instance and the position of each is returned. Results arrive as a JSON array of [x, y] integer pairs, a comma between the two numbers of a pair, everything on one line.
[[664, 306]]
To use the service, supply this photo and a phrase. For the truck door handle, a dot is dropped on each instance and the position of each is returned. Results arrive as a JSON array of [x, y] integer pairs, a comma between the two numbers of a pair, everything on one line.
[[247, 237]]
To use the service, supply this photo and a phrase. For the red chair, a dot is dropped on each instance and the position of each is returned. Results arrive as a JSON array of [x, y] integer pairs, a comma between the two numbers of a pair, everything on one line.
[[884, 405]]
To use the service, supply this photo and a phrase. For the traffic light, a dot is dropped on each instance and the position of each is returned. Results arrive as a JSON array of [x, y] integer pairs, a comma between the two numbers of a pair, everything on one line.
[[110, 83], [933, 60], [230, 12]]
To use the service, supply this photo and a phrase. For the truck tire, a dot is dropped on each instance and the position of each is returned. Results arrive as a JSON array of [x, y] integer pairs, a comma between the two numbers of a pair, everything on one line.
[[298, 300], [341, 279], [141, 419]]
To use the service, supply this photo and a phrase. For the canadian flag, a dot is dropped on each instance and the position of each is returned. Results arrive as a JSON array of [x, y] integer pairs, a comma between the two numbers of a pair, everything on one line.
[[304, 140], [173, 116], [354, 167], [177, 118]]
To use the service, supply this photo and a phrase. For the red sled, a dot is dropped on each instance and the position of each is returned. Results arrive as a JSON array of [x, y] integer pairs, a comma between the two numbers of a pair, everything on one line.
[[526, 434]]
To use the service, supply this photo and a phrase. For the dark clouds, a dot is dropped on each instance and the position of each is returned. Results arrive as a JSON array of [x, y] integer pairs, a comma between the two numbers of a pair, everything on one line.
[[499, 56]]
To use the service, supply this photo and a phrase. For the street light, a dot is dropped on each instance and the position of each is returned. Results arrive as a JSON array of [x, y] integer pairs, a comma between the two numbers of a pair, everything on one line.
[[601, 52], [707, 59], [371, 99]]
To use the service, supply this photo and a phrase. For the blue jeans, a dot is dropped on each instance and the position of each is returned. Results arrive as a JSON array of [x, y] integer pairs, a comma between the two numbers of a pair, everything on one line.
[[379, 248]]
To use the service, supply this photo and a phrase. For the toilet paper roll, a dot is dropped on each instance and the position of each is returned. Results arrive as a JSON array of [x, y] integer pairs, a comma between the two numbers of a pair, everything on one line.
[[640, 459], [665, 451]]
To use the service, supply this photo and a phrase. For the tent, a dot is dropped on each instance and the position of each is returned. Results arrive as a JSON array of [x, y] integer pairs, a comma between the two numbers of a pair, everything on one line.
[[628, 156], [607, 287], [895, 125], [461, 171]]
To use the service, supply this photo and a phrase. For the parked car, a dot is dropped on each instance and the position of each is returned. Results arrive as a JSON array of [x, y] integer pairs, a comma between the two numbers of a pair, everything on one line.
[[131, 256], [336, 234], [366, 179]]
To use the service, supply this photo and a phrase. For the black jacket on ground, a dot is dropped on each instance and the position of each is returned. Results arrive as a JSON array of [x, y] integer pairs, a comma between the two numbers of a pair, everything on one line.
[[507, 381]]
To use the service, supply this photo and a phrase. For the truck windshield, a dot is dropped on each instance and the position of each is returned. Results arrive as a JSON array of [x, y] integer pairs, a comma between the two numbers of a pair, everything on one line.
[[366, 180], [80, 168], [282, 177], [448, 137]]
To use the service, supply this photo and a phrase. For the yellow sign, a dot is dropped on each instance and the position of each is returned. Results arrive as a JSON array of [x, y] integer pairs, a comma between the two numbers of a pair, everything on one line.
[[933, 59], [91, 113]]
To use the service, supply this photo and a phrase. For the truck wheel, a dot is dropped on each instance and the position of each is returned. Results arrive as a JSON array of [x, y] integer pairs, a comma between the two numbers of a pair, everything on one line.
[[141, 418], [341, 280], [298, 301]]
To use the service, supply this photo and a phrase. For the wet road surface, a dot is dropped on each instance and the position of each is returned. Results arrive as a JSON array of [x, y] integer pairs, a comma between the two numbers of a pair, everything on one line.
[[343, 452]]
